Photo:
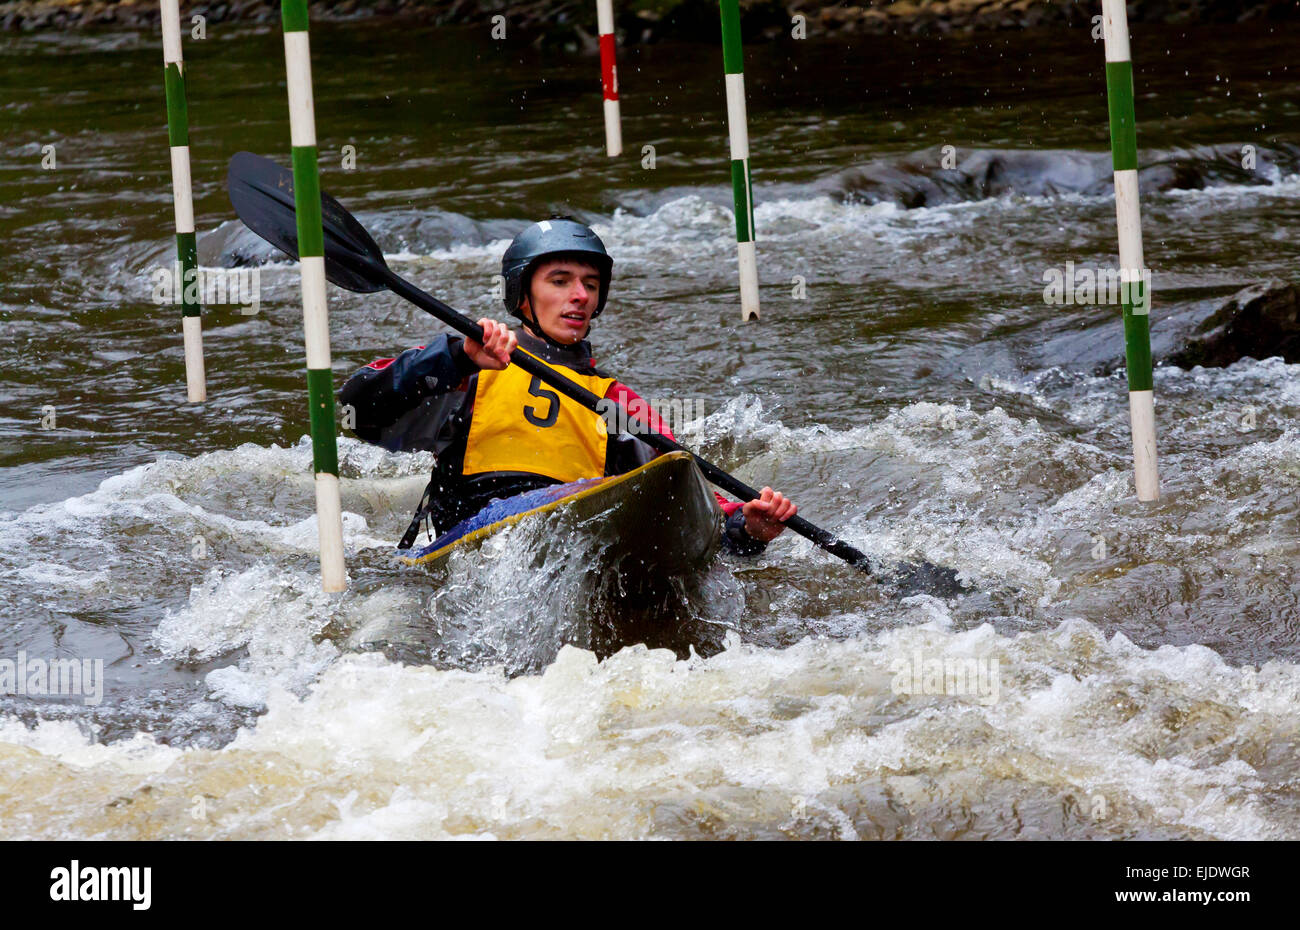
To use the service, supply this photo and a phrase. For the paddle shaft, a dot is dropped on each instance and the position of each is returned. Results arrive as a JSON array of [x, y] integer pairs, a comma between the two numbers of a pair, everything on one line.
[[467, 327]]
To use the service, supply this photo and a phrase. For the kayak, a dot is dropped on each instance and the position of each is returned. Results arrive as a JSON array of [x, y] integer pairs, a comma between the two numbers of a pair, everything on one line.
[[647, 526]]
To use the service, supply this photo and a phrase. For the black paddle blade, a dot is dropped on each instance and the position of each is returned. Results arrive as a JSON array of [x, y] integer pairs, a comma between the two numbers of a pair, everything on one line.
[[262, 194], [926, 578]]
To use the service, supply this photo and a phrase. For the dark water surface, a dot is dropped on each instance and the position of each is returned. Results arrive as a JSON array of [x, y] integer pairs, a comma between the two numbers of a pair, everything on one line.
[[1146, 656]]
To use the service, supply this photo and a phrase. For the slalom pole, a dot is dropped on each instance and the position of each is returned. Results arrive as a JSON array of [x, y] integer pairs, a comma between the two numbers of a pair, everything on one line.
[[178, 138], [742, 186], [315, 318], [1136, 303], [609, 77]]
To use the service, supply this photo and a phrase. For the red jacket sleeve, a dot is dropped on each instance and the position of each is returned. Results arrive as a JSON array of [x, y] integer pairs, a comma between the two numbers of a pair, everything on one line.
[[641, 412]]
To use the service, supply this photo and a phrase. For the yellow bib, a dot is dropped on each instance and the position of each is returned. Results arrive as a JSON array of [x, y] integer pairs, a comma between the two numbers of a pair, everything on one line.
[[519, 423]]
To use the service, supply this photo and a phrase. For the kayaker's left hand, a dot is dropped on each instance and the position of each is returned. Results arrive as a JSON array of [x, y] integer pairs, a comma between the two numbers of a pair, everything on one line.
[[765, 516]]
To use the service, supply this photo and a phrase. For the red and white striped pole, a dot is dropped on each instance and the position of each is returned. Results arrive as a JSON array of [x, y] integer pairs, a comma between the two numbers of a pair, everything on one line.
[[609, 77]]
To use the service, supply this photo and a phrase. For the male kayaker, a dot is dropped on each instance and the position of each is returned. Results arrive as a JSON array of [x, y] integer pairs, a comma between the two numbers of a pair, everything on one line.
[[498, 431]]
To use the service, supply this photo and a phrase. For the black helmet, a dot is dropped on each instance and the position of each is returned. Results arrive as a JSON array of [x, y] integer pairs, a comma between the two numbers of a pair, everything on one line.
[[554, 238]]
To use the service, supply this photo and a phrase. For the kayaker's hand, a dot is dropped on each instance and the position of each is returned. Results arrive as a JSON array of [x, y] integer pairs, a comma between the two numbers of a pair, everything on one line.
[[494, 351], [765, 516]]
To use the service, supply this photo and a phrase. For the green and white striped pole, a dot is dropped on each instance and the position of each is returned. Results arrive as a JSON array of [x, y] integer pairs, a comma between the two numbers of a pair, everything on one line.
[[315, 318], [1137, 303], [178, 138], [742, 186]]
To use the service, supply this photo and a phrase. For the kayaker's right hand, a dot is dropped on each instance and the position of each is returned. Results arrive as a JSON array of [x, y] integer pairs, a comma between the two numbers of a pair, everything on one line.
[[494, 351]]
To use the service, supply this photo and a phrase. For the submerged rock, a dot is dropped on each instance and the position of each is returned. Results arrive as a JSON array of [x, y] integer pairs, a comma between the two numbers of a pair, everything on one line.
[[1260, 321], [920, 179]]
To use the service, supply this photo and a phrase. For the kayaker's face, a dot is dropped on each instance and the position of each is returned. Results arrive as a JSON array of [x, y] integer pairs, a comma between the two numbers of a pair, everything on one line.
[[564, 296]]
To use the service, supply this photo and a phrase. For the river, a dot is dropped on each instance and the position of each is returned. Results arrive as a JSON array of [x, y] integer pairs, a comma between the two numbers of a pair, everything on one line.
[[1139, 662]]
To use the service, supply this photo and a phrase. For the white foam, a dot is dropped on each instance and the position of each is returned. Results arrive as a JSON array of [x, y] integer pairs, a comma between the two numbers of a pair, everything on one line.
[[643, 746], [155, 493], [55, 575]]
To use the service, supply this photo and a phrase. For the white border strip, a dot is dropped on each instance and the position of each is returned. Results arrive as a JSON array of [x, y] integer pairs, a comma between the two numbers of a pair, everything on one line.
[[195, 376], [171, 30], [1114, 30], [315, 313], [302, 114], [182, 192], [737, 126], [1142, 415]]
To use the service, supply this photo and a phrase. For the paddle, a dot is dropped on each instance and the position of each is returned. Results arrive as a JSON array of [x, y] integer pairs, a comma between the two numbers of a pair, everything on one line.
[[262, 194]]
